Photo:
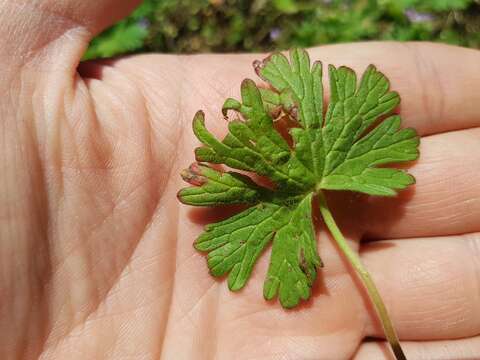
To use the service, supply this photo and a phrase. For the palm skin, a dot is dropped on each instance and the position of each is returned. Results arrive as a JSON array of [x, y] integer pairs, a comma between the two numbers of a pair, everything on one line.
[[96, 251]]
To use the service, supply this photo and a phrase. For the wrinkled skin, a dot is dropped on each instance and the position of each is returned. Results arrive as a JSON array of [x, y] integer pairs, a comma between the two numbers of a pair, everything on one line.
[[96, 252]]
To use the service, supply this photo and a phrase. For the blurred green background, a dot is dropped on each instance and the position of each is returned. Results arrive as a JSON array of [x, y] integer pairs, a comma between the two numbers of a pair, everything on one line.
[[190, 26]]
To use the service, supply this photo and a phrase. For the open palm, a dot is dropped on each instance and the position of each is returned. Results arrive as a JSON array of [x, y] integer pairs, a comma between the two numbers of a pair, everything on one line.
[[96, 252]]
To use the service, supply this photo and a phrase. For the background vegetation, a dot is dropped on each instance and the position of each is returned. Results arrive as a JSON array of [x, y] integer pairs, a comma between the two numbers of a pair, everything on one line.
[[189, 26]]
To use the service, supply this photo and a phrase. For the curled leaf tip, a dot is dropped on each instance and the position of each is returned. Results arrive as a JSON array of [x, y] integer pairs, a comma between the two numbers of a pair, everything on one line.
[[257, 66], [230, 104], [193, 175]]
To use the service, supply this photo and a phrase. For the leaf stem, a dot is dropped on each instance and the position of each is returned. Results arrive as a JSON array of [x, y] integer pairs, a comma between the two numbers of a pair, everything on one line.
[[365, 277]]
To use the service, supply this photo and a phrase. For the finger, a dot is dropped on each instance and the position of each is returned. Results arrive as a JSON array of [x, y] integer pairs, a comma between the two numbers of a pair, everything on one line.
[[431, 286], [439, 85], [444, 201], [51, 31], [461, 349]]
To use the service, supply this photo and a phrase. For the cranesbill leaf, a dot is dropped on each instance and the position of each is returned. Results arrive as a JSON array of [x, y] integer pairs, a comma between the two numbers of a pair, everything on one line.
[[346, 148]]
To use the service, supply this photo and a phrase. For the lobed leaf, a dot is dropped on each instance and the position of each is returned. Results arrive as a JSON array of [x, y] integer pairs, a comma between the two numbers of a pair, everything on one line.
[[346, 149]]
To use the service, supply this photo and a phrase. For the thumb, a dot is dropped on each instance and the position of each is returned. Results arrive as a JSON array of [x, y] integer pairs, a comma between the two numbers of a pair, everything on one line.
[[53, 32]]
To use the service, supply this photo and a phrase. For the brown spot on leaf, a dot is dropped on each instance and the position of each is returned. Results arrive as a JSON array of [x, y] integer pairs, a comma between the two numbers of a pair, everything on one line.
[[293, 112], [193, 176], [258, 65], [303, 262], [283, 126], [275, 112]]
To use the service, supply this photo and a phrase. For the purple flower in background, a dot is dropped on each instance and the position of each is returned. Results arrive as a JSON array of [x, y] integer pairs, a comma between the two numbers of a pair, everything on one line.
[[416, 17], [143, 23], [275, 34]]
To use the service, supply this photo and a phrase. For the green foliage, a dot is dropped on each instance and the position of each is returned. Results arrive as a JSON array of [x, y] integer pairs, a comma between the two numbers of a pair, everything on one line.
[[341, 150], [127, 36], [186, 26]]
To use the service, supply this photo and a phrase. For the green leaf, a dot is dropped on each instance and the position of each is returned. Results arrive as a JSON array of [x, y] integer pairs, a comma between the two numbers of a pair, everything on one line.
[[294, 261], [235, 244], [286, 6], [213, 187], [344, 149], [383, 145], [298, 80], [253, 144]]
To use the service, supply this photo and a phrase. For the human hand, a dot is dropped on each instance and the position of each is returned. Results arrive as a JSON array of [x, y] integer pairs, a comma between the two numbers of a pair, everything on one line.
[[96, 252]]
